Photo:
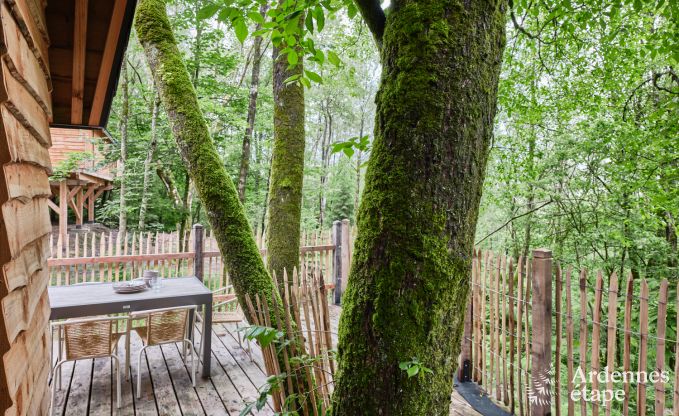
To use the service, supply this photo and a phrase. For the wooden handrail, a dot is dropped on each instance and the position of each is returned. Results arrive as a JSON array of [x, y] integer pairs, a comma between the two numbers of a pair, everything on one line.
[[73, 261]]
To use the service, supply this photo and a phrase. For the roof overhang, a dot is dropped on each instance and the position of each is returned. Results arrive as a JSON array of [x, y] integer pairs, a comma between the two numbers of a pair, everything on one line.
[[88, 39]]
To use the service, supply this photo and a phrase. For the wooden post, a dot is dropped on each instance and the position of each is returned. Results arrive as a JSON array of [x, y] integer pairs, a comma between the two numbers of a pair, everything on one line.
[[346, 260], [63, 211], [542, 331], [337, 260], [198, 267], [90, 202], [465, 372], [79, 203]]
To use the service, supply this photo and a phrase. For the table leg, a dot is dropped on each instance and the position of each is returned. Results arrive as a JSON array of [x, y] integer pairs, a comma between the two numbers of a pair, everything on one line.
[[206, 343]]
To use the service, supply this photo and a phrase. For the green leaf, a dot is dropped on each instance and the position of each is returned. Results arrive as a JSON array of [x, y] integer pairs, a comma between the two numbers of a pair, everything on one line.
[[319, 57], [313, 76], [207, 11], [305, 82], [413, 370], [256, 17], [319, 15], [348, 151], [241, 29], [309, 22], [292, 57], [334, 59], [352, 10]]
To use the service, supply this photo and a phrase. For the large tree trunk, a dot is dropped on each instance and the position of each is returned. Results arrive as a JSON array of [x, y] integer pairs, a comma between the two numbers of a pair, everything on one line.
[[409, 280], [213, 184], [124, 115], [252, 108], [287, 169], [147, 163]]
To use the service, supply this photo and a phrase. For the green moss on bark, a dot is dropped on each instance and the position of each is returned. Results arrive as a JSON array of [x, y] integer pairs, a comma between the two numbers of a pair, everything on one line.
[[409, 280], [287, 170], [214, 186]]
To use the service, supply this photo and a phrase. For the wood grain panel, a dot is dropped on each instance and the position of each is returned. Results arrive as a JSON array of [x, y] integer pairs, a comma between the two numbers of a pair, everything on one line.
[[24, 107], [32, 258], [37, 41], [21, 61], [25, 223], [24, 182], [22, 145]]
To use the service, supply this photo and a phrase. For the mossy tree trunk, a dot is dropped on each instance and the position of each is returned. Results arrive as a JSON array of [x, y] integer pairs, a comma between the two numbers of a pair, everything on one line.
[[409, 281], [212, 183], [287, 169]]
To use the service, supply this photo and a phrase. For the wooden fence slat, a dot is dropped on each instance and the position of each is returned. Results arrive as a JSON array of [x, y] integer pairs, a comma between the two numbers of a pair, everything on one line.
[[503, 295], [519, 333], [596, 337], [611, 334], [512, 328], [627, 342], [660, 349], [643, 347], [675, 403], [569, 339], [583, 332], [557, 346], [527, 338]]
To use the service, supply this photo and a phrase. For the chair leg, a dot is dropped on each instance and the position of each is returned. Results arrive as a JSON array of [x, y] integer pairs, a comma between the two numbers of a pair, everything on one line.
[[54, 387], [118, 392], [193, 364], [128, 335], [139, 370]]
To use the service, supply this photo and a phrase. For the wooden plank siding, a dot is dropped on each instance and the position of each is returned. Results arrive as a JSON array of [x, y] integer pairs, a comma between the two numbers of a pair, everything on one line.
[[25, 111]]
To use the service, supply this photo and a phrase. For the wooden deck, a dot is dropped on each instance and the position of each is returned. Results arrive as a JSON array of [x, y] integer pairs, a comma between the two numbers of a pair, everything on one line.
[[89, 386]]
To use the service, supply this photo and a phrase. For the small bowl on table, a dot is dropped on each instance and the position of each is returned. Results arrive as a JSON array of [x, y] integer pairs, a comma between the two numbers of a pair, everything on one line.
[[149, 276]]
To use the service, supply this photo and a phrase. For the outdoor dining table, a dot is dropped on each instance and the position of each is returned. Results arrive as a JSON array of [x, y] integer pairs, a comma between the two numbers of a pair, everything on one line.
[[92, 299]]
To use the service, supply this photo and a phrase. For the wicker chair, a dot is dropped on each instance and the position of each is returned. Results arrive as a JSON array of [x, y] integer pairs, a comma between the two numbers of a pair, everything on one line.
[[164, 326], [234, 314], [80, 339]]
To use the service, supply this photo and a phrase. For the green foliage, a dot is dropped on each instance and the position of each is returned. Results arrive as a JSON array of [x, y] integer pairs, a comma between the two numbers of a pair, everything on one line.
[[72, 163], [414, 367]]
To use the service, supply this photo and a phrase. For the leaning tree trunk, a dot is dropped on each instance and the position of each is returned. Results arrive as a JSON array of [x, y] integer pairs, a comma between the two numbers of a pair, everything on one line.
[[287, 169], [213, 184], [147, 164], [409, 280], [124, 115], [252, 108]]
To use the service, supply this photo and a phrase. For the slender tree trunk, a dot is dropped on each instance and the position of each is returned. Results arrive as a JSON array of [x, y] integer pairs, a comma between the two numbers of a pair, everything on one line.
[[147, 163], [213, 184], [186, 211], [287, 169], [325, 161], [124, 115], [252, 109], [168, 181], [409, 281], [531, 195], [359, 155]]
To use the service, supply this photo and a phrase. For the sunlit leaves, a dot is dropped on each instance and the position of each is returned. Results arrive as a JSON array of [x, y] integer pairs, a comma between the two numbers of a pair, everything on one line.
[[290, 26]]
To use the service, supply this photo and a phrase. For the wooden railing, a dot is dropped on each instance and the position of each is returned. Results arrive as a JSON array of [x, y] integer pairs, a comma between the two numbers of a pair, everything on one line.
[[103, 257], [531, 326]]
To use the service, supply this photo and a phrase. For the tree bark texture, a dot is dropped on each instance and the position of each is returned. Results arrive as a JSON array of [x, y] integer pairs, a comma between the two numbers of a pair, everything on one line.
[[408, 286], [213, 184], [147, 164], [287, 169], [252, 109]]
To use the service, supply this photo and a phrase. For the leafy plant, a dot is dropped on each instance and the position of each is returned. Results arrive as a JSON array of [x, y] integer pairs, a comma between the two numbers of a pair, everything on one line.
[[414, 367]]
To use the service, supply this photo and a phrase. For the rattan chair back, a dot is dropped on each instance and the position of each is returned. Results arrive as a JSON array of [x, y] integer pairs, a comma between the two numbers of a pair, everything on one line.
[[88, 339], [167, 326]]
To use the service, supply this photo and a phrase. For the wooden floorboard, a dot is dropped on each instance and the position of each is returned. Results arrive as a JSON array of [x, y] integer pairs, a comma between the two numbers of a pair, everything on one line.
[[89, 386]]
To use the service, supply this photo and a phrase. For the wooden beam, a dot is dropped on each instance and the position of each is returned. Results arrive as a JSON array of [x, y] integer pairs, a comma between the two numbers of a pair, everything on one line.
[[52, 205], [79, 51], [63, 211], [89, 197], [74, 191], [107, 61]]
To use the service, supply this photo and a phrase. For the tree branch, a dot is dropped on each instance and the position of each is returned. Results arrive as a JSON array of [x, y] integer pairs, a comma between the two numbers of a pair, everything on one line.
[[374, 17], [512, 219]]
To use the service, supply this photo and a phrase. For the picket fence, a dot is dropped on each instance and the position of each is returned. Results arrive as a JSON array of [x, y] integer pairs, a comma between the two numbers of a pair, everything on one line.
[[533, 329], [104, 257]]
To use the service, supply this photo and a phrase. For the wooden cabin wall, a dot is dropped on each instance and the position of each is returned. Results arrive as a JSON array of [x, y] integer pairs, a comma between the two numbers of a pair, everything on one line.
[[25, 112]]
